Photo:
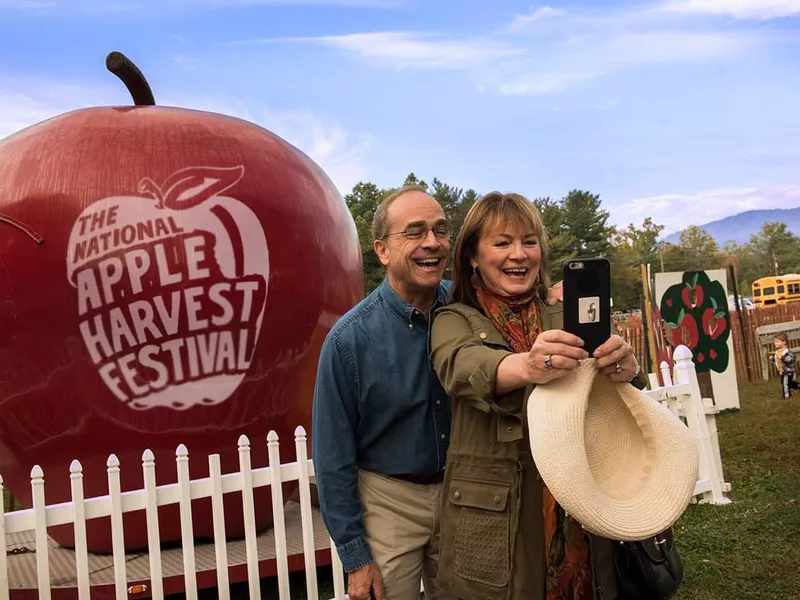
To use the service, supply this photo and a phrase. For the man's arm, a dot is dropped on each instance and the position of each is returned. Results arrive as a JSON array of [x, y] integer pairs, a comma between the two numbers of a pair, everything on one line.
[[334, 425]]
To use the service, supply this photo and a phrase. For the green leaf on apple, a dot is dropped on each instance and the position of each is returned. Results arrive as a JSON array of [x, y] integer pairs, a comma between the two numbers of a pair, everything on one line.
[[680, 316], [713, 303], [671, 325], [719, 314]]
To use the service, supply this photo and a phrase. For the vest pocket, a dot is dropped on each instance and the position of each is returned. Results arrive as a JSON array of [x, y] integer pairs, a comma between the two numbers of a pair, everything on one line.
[[481, 544]]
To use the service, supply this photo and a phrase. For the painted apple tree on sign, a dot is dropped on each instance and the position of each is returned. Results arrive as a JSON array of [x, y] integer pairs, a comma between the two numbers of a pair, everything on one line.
[[695, 314]]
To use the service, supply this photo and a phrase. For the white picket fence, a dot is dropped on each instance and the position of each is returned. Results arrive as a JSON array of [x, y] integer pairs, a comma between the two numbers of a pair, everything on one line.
[[183, 492], [681, 393]]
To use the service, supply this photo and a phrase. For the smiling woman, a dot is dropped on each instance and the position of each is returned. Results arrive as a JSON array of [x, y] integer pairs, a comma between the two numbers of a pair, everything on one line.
[[503, 534]]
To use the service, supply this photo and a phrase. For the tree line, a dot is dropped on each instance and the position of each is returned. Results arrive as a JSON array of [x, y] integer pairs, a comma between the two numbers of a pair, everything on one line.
[[577, 225]]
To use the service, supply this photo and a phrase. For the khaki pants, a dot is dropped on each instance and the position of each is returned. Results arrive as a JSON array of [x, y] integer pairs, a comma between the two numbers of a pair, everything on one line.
[[402, 528]]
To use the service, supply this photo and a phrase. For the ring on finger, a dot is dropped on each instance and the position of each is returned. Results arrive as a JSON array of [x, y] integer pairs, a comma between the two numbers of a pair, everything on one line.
[[617, 368], [548, 361]]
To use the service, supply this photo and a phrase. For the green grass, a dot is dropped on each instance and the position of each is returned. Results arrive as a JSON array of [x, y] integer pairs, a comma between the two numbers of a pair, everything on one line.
[[749, 549]]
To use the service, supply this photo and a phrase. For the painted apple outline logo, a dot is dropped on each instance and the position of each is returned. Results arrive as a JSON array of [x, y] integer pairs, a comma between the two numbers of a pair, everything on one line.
[[172, 288]]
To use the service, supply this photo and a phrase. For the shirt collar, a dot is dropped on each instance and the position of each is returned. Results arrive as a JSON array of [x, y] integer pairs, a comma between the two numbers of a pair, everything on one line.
[[403, 308]]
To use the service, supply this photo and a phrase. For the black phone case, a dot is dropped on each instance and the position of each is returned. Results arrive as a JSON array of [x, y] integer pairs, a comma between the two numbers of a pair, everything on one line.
[[587, 300]]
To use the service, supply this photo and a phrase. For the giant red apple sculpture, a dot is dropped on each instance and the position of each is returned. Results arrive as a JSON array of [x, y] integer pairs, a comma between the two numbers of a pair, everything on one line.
[[167, 276]]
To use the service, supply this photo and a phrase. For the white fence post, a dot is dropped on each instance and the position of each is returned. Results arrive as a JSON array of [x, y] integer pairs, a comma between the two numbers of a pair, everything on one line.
[[117, 532], [695, 412], [665, 374], [151, 514], [218, 514], [40, 517], [187, 529], [278, 524], [79, 519], [305, 513], [249, 513], [4, 591]]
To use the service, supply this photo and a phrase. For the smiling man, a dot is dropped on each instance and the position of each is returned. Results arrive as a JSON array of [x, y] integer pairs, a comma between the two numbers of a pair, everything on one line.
[[381, 422]]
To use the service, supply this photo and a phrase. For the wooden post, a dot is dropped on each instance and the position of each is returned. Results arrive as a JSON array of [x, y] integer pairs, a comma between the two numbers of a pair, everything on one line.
[[745, 341], [649, 322]]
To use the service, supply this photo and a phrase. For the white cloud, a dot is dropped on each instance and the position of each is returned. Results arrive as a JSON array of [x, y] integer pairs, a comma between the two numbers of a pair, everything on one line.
[[184, 61], [582, 58], [674, 46], [738, 9], [582, 49], [594, 41], [21, 109], [340, 153], [545, 83], [408, 50], [536, 15], [678, 211]]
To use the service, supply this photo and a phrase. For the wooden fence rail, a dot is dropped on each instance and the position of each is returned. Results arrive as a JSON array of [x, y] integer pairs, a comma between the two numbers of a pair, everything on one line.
[[745, 342]]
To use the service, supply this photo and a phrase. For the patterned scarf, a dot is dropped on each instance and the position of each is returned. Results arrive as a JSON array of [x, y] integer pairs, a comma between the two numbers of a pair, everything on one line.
[[567, 569]]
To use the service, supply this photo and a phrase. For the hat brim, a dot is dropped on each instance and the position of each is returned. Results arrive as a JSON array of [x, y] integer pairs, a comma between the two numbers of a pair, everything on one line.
[[625, 467]]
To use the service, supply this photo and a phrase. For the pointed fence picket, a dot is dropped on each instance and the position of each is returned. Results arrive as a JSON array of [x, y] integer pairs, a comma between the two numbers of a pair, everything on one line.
[[680, 393]]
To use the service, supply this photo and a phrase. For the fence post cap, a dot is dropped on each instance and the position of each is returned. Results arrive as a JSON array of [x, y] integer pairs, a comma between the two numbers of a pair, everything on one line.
[[181, 451], [75, 467], [112, 461], [299, 431], [682, 354], [148, 456], [244, 441], [37, 472], [272, 436]]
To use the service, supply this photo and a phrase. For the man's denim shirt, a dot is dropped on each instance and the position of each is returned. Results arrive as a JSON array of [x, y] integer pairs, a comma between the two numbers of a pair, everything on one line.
[[378, 406]]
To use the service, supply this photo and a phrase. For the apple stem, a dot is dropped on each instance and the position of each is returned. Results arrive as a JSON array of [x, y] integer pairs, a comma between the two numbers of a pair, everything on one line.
[[121, 66]]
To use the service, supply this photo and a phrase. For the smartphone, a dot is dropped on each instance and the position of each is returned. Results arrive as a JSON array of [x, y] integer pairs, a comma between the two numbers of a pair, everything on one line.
[[587, 300]]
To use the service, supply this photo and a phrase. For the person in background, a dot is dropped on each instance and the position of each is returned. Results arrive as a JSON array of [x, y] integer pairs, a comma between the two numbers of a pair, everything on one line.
[[502, 534], [785, 362]]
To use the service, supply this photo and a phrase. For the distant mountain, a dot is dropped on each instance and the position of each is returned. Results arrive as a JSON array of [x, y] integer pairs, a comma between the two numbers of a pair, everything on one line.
[[741, 226]]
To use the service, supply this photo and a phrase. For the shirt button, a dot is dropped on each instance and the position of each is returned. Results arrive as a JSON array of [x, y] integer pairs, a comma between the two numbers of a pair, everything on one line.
[[443, 436], [438, 402], [457, 495], [509, 428], [482, 335], [497, 499]]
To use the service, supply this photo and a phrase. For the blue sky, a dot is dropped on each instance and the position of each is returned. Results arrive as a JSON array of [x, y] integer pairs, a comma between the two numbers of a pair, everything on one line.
[[686, 110]]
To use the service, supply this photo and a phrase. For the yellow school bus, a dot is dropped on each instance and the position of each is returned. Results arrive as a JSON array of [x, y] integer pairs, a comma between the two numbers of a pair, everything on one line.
[[776, 290]]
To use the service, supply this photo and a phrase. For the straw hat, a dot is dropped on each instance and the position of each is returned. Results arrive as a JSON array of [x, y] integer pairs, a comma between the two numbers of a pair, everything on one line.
[[624, 466]]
